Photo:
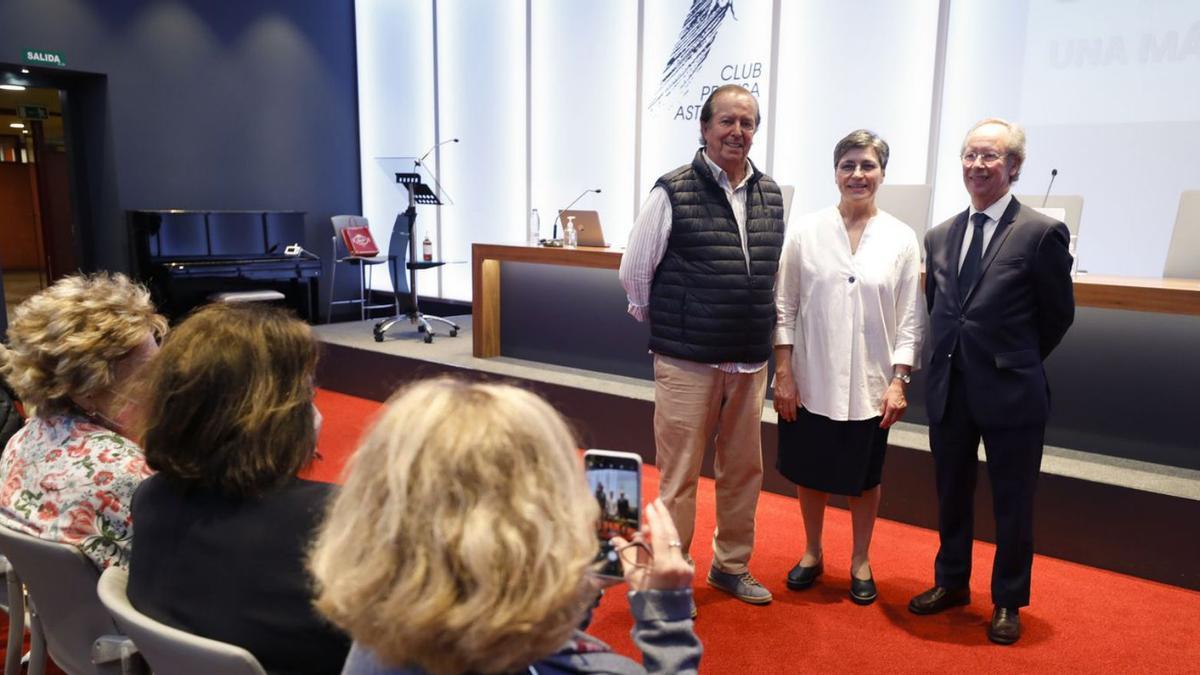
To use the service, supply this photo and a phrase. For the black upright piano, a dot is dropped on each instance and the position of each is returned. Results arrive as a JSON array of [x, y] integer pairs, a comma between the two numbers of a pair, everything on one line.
[[186, 256]]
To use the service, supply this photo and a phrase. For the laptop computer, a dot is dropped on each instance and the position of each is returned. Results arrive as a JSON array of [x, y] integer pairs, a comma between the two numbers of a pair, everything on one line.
[[587, 226]]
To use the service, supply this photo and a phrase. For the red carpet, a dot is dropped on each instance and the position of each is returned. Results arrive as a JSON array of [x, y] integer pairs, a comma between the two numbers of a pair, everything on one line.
[[345, 420], [1082, 620]]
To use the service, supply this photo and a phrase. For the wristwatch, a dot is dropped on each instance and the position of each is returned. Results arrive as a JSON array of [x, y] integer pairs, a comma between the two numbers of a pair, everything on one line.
[[903, 377]]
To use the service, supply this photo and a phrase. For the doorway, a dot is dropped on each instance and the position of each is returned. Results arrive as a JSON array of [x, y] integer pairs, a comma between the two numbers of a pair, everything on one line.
[[36, 224]]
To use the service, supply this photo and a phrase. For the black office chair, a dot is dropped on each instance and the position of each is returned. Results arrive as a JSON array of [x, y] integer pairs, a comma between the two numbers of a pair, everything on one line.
[[402, 240]]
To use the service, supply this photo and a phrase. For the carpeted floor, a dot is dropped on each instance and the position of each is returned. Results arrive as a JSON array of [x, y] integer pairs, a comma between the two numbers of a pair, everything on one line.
[[1082, 619], [51, 667]]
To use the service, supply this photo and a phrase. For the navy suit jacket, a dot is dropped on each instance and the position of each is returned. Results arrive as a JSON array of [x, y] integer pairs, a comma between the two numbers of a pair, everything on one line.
[[1004, 326]]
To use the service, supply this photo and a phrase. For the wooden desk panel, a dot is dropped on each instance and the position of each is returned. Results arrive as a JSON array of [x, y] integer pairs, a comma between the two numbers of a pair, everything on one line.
[[1139, 294], [485, 282], [1163, 296]]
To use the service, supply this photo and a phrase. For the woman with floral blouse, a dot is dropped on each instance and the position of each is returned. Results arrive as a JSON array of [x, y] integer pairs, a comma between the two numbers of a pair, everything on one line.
[[74, 356]]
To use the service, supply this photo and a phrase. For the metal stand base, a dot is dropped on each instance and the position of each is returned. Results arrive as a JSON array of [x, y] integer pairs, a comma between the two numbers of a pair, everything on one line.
[[420, 320]]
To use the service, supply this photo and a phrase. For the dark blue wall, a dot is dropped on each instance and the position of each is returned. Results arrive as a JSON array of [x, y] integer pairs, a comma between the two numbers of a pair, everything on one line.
[[204, 104]]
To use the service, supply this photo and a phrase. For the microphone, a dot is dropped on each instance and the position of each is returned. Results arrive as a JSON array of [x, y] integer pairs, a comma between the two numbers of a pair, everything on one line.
[[435, 147], [554, 232], [1053, 175]]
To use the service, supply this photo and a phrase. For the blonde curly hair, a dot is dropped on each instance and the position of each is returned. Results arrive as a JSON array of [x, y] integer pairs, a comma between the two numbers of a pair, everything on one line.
[[461, 538], [64, 341]]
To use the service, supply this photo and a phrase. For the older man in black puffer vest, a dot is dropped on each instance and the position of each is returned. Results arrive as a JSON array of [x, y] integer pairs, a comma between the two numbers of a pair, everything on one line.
[[700, 266]]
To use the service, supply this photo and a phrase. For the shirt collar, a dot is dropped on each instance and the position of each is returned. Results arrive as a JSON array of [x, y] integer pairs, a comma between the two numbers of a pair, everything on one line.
[[719, 173], [997, 208]]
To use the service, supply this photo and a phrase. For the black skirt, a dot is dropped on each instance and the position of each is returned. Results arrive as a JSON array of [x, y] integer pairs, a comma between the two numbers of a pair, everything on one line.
[[842, 458]]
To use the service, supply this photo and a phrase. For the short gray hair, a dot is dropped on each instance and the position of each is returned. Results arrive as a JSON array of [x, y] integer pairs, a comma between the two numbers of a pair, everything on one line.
[[862, 138], [1015, 145]]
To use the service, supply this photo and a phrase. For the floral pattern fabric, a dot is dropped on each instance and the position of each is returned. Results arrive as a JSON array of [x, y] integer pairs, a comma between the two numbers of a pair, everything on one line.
[[70, 480]]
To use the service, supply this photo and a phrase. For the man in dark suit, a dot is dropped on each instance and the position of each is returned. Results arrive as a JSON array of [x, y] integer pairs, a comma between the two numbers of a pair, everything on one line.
[[998, 286]]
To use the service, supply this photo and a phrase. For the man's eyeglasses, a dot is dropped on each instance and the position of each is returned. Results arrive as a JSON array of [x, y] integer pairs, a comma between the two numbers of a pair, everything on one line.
[[989, 158]]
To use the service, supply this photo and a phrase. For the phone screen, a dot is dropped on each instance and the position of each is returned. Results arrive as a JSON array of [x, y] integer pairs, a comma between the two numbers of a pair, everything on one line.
[[616, 481]]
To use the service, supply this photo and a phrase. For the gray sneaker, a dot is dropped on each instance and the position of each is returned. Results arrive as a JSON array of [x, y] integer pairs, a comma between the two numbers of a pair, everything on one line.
[[742, 586]]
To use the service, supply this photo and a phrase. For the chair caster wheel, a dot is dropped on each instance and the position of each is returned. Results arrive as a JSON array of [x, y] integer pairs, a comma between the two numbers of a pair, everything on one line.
[[429, 338], [453, 332], [420, 328]]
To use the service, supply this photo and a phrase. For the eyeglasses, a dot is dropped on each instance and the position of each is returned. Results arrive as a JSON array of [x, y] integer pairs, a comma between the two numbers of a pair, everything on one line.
[[989, 158], [848, 168]]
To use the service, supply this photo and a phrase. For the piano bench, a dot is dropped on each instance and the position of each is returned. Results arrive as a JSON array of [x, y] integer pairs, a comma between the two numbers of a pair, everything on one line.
[[247, 296]]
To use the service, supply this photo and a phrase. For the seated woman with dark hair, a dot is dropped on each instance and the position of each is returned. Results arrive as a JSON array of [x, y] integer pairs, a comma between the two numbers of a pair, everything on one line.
[[74, 357], [224, 524]]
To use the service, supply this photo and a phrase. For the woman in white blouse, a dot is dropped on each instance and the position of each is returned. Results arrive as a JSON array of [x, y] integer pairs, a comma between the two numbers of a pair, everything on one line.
[[848, 334]]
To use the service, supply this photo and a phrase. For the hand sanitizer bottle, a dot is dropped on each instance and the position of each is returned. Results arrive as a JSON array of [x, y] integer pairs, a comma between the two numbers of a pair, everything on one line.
[[570, 235]]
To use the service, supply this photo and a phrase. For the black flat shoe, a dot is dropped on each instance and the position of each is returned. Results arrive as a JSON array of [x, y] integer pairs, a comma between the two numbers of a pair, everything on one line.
[[862, 591], [802, 577]]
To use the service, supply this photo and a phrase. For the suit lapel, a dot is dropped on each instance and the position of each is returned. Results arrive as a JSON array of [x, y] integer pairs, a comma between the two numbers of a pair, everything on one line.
[[1003, 229], [955, 236]]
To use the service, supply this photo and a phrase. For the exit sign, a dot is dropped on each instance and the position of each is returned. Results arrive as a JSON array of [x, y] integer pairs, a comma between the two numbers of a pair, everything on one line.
[[32, 112], [37, 57]]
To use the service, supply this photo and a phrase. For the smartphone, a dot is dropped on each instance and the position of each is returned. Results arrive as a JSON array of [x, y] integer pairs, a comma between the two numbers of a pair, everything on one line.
[[615, 478]]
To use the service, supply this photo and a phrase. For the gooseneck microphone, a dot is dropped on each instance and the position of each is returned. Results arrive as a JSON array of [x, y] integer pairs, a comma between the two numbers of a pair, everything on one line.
[[1053, 175], [554, 232], [435, 147]]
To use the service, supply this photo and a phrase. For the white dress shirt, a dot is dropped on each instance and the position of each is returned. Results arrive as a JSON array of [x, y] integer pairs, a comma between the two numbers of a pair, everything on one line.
[[850, 317], [993, 213], [648, 245]]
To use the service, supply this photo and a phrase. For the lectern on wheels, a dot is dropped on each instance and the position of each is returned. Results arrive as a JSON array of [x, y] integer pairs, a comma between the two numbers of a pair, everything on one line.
[[418, 193]]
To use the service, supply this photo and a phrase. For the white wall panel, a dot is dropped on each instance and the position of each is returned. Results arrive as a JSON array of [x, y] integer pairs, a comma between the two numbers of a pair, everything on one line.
[[846, 66], [1100, 87], [977, 85], [481, 66], [583, 109], [395, 108], [689, 50]]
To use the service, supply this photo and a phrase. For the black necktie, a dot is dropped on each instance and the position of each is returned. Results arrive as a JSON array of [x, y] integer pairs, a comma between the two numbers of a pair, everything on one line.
[[969, 272]]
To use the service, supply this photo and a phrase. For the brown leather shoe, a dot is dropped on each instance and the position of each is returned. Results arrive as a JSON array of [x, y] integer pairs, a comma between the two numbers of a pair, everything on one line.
[[1006, 626], [939, 598]]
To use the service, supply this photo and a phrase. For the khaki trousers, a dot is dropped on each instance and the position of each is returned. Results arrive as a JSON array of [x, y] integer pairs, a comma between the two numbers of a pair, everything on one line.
[[695, 403]]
